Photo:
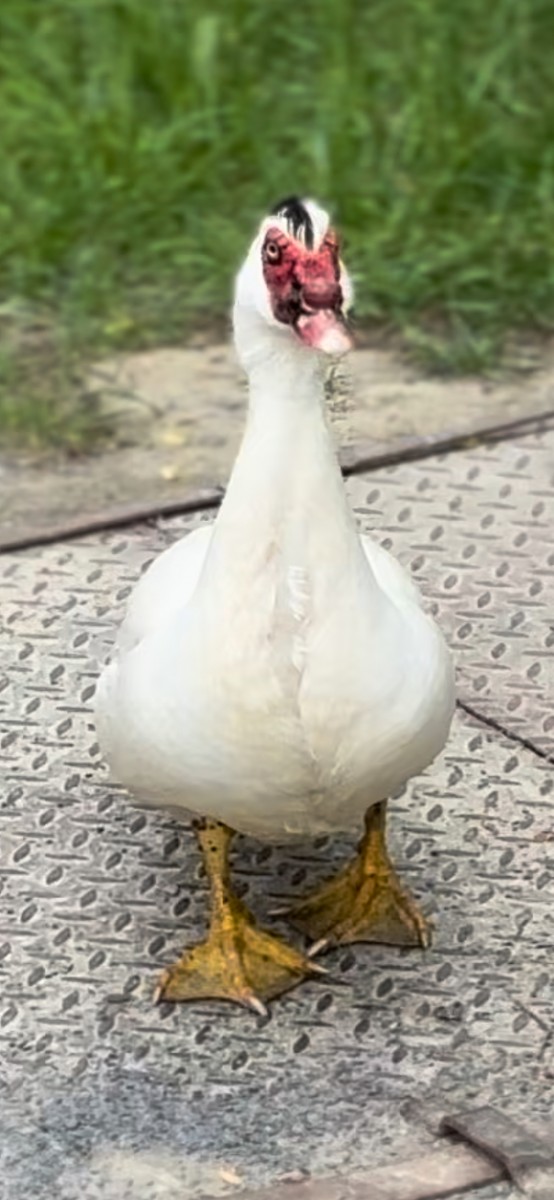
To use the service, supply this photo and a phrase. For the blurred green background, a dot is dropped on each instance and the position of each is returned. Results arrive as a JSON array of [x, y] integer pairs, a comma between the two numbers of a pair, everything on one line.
[[141, 141]]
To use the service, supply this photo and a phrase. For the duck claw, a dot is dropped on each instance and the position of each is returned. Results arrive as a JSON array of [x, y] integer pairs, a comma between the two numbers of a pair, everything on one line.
[[318, 948]]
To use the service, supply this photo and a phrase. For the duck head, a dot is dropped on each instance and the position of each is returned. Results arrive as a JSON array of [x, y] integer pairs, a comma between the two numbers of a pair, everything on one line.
[[292, 286]]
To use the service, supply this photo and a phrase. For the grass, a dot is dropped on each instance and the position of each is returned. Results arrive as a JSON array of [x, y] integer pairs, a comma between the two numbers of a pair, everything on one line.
[[140, 143]]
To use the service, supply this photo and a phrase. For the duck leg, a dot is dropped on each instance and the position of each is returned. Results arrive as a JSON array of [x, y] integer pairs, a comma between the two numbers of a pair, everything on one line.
[[365, 902], [237, 960]]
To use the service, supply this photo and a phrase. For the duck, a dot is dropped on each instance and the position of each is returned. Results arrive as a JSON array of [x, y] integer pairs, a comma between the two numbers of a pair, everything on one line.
[[276, 674]]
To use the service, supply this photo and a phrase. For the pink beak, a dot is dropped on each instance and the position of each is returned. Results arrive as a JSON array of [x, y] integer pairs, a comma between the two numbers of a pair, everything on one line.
[[322, 325], [324, 330]]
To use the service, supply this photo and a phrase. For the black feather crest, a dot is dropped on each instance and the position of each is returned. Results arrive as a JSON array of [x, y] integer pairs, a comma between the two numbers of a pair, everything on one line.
[[297, 217]]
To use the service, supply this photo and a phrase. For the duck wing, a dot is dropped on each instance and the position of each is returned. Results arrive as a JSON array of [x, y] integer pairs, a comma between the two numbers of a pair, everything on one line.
[[166, 587]]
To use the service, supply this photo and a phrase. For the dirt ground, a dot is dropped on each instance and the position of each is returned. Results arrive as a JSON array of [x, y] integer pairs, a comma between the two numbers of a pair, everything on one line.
[[177, 416]]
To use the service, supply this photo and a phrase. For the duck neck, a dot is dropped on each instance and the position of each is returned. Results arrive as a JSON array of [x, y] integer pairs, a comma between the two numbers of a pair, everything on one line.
[[286, 410], [287, 450], [286, 480]]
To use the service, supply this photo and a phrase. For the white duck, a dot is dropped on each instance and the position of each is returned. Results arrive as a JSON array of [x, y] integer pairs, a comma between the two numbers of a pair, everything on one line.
[[275, 673]]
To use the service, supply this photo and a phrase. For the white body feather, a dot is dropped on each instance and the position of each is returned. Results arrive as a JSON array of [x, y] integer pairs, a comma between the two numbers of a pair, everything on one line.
[[275, 670]]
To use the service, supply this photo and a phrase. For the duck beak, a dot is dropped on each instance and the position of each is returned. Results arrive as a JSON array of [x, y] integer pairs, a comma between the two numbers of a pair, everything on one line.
[[324, 329]]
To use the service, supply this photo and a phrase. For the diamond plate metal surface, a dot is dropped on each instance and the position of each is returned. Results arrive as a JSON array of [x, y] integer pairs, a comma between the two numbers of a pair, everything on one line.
[[477, 531], [110, 1097]]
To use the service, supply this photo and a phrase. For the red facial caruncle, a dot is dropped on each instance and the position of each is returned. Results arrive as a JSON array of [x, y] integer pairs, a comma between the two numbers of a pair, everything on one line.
[[305, 289]]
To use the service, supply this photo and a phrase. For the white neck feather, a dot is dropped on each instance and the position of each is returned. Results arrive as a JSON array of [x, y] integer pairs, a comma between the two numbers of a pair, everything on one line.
[[286, 492]]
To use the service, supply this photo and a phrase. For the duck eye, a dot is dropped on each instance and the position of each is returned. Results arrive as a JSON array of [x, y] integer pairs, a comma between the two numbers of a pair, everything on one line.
[[272, 252]]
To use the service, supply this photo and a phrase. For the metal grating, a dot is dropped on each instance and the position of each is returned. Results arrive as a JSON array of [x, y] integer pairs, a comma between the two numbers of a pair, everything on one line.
[[115, 1098]]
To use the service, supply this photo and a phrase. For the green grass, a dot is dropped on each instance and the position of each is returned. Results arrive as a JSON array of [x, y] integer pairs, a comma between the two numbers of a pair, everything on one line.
[[141, 141]]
